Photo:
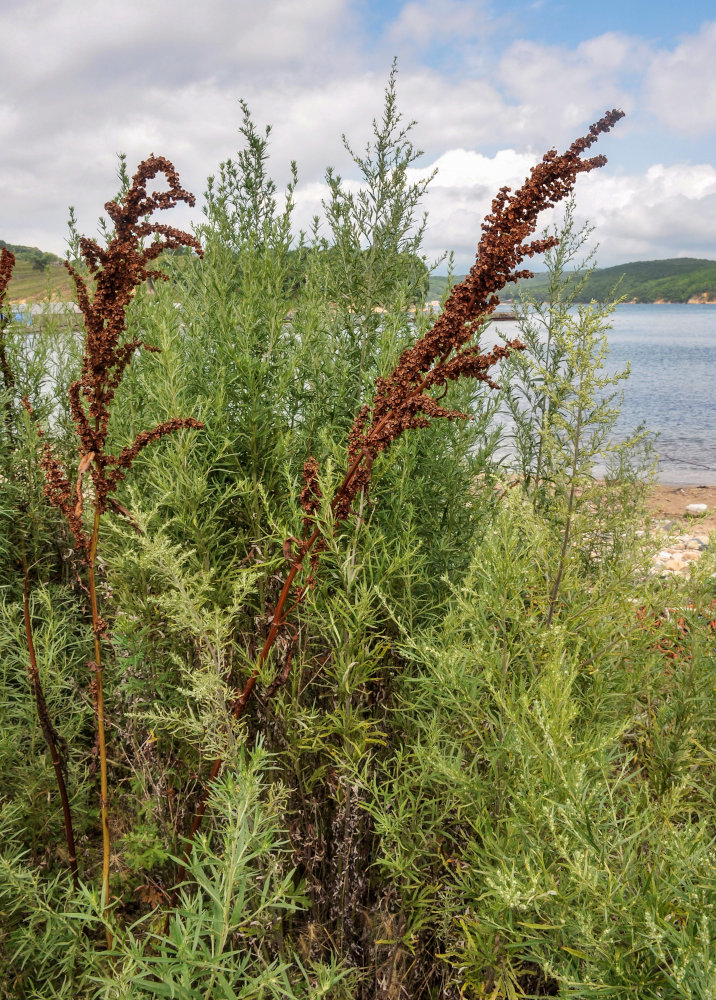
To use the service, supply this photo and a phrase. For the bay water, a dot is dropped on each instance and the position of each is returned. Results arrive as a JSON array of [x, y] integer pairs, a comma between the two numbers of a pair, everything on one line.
[[671, 350]]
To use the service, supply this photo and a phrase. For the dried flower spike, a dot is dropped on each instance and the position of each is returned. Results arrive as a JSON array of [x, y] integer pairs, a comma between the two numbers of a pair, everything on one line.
[[116, 270], [7, 263], [447, 352]]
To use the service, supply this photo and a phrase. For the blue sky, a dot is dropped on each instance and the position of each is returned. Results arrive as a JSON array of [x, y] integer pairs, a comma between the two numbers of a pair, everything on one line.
[[492, 86], [567, 22], [564, 22]]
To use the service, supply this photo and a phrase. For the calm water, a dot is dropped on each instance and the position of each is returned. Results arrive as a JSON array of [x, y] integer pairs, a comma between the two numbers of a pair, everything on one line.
[[672, 387]]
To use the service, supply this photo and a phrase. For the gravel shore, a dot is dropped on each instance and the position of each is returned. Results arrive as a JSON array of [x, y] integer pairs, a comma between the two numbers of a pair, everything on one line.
[[685, 534]]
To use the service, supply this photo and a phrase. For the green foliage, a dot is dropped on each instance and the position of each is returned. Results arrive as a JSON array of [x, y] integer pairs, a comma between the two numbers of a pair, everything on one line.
[[523, 822], [477, 762], [225, 939], [564, 404], [37, 258]]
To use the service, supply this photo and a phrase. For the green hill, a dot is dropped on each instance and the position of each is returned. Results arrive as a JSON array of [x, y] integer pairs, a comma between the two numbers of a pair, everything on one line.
[[35, 274], [678, 279]]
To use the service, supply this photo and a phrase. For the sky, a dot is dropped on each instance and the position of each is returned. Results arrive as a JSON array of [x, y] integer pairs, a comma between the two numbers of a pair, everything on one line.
[[491, 86]]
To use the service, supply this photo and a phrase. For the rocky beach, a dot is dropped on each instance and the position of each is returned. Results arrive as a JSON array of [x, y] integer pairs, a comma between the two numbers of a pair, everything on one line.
[[683, 519]]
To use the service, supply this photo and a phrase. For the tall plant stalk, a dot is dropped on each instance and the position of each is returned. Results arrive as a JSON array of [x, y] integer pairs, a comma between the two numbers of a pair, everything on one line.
[[115, 271], [403, 399], [98, 687], [48, 730], [7, 263]]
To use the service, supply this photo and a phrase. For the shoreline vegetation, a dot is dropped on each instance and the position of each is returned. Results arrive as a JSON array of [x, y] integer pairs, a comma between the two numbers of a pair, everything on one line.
[[678, 280], [305, 692]]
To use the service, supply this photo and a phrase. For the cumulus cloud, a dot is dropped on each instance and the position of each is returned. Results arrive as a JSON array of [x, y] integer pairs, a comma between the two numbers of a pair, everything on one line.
[[170, 38], [666, 212], [427, 23], [680, 86], [569, 87], [134, 77], [94, 79]]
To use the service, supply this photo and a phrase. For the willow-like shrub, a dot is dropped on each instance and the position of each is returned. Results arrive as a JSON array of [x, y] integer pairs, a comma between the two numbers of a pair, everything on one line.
[[373, 726]]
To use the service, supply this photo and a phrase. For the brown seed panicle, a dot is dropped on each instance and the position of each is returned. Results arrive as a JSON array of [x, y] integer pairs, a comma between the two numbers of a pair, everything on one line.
[[116, 272], [447, 351], [7, 263]]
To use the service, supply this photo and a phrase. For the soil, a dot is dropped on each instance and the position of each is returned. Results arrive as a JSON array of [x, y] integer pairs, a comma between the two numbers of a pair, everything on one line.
[[670, 502]]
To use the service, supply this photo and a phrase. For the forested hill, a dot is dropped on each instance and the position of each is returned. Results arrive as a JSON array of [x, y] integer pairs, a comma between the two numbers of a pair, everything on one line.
[[36, 274], [678, 279], [31, 255]]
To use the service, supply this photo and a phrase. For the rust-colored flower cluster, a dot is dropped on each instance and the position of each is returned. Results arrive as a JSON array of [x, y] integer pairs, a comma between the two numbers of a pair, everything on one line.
[[7, 263], [447, 352], [403, 401], [116, 271]]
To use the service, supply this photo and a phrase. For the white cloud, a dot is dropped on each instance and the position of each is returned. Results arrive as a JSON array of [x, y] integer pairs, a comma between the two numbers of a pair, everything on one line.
[[92, 79], [427, 23], [567, 88], [666, 212], [680, 85], [42, 38]]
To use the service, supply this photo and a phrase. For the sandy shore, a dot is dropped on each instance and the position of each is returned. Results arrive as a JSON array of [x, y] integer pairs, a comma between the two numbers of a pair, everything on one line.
[[670, 502]]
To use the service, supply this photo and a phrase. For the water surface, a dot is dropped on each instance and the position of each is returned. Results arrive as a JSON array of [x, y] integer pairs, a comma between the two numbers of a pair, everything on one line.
[[672, 388]]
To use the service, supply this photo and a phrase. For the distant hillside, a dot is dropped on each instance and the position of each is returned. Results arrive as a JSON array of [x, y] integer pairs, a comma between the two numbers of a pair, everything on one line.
[[678, 279], [38, 258], [36, 272]]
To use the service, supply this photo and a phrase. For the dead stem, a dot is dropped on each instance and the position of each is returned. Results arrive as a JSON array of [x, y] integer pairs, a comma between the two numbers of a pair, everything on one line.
[[97, 626], [48, 730]]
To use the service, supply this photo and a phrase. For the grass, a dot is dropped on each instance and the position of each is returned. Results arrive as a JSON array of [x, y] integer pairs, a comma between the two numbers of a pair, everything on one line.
[[28, 284]]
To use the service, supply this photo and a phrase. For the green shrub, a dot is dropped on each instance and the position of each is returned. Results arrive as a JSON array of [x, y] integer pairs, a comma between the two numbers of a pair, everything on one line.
[[445, 739]]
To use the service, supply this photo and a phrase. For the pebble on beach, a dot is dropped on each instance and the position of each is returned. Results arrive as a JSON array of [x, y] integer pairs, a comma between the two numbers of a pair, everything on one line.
[[696, 508], [679, 552]]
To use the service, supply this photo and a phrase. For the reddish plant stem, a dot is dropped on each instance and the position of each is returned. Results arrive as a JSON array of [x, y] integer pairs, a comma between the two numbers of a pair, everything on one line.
[[99, 703], [46, 724], [277, 620], [238, 707]]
